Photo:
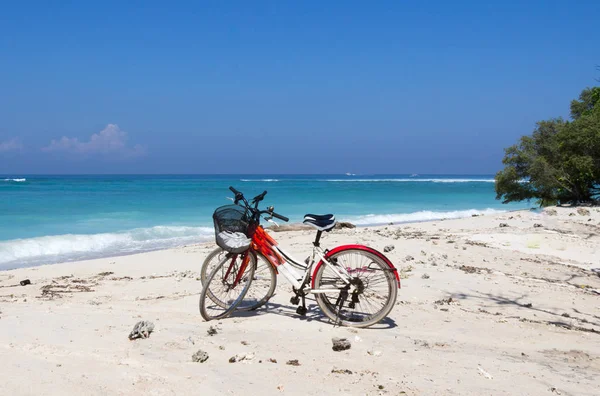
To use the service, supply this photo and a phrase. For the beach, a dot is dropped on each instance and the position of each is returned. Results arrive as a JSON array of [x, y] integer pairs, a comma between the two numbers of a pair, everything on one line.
[[500, 304]]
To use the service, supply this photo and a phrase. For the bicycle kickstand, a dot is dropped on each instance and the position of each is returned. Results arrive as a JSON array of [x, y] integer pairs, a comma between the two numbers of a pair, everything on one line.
[[340, 304], [302, 309]]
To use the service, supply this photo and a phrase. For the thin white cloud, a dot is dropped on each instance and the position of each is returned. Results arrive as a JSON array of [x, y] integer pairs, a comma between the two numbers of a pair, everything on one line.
[[110, 141], [11, 145]]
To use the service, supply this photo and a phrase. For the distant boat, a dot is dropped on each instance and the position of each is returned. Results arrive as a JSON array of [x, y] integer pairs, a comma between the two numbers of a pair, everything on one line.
[[350, 174]]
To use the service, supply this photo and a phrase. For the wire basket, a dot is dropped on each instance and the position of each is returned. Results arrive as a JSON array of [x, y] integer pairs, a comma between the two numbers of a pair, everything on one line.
[[232, 228]]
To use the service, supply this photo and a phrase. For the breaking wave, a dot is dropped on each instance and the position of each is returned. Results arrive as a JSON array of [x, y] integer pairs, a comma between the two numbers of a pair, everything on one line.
[[15, 180], [259, 180], [71, 247], [373, 219], [412, 180]]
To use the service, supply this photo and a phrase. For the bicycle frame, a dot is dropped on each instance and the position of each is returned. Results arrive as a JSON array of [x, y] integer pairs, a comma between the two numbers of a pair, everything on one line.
[[284, 263]]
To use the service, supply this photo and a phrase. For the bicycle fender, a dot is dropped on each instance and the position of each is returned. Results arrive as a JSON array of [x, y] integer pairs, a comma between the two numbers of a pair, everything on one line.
[[357, 247]]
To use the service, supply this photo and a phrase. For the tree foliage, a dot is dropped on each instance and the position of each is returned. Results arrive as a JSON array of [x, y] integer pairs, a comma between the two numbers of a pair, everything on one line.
[[560, 162]]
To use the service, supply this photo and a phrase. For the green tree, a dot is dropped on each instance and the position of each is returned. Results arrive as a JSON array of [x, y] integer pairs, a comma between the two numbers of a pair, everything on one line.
[[560, 162]]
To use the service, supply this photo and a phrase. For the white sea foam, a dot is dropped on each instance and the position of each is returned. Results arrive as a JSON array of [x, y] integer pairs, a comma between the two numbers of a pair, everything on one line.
[[15, 180], [412, 180], [70, 247], [259, 180], [373, 219]]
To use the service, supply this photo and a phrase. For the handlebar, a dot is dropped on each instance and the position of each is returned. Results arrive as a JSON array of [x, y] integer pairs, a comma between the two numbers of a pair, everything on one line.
[[259, 197], [280, 217], [240, 197], [233, 190]]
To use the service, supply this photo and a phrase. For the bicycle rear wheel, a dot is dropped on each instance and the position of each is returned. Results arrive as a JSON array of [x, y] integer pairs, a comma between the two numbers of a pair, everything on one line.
[[371, 294], [226, 286], [263, 284]]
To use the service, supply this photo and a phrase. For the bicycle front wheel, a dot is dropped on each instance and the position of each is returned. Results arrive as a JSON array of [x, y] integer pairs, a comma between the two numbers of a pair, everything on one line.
[[226, 286], [372, 292], [263, 284]]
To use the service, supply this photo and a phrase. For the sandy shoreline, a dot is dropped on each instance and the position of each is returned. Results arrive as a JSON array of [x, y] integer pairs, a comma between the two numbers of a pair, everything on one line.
[[524, 319]]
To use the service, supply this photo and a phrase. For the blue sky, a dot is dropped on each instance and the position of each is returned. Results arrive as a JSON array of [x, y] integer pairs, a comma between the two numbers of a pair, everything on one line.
[[284, 86]]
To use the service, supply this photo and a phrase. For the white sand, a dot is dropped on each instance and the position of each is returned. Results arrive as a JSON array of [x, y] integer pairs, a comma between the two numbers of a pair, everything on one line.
[[491, 341]]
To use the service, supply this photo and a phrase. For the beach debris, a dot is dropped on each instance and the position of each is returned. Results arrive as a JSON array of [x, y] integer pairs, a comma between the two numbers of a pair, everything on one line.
[[241, 358], [341, 371], [271, 360], [484, 373], [289, 227], [293, 362], [551, 212], [380, 387], [528, 305], [571, 214], [446, 301], [280, 388], [475, 215], [503, 225], [409, 258], [469, 269], [388, 248], [340, 344], [212, 331], [106, 273], [583, 212], [425, 276], [374, 352], [222, 347], [344, 224], [25, 282], [56, 290], [142, 329], [554, 390], [245, 343], [422, 343], [537, 225], [200, 356]]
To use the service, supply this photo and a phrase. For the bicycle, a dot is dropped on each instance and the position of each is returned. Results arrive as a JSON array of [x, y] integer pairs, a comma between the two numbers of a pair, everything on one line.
[[353, 285]]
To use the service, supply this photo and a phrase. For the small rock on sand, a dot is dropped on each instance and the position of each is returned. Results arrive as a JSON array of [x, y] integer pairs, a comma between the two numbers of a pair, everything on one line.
[[409, 258], [503, 225], [425, 276], [212, 331], [344, 224], [551, 212], [341, 371], [340, 344], [241, 358], [388, 248], [293, 362], [583, 211], [200, 356], [141, 329]]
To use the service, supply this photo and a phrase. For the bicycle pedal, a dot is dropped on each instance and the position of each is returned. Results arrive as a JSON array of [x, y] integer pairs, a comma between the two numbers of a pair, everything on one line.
[[295, 300], [301, 311]]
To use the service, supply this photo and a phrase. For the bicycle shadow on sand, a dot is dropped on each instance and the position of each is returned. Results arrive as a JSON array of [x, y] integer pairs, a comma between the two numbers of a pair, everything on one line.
[[313, 314]]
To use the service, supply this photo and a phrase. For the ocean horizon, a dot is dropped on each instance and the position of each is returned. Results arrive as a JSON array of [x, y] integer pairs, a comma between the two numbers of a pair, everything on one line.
[[57, 218]]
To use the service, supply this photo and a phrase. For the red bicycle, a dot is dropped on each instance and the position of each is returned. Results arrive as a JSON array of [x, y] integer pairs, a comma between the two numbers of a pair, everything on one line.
[[354, 285]]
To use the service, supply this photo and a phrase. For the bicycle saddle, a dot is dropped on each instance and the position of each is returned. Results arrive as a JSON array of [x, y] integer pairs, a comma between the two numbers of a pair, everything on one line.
[[320, 222]]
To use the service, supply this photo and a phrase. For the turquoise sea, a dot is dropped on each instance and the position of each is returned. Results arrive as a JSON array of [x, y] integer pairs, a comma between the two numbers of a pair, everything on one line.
[[48, 219]]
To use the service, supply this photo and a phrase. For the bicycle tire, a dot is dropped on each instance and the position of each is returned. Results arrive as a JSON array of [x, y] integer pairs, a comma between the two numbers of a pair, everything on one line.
[[222, 276], [357, 262]]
